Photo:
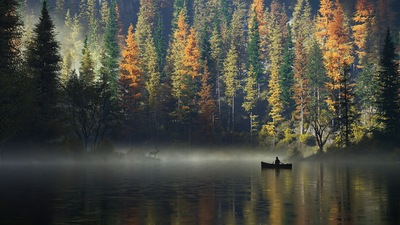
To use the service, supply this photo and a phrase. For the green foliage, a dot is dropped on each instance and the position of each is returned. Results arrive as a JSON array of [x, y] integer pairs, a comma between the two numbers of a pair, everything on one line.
[[110, 58], [231, 72], [253, 50], [388, 101], [12, 95], [159, 43], [86, 71], [249, 55], [89, 111], [287, 77], [43, 61]]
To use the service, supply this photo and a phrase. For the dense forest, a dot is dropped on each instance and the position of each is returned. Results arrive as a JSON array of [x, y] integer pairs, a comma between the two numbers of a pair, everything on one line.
[[86, 74]]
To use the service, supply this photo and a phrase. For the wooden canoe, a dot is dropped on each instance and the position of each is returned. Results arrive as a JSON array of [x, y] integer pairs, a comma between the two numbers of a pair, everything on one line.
[[265, 165]]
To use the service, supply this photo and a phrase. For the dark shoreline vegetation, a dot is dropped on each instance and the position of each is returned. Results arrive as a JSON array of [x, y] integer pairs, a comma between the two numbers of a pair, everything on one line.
[[305, 80]]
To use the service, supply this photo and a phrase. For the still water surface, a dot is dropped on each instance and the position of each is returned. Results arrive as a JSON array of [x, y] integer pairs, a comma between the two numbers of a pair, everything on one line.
[[212, 192]]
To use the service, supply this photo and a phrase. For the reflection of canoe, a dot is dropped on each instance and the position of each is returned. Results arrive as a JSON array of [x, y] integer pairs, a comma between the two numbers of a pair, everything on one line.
[[265, 165]]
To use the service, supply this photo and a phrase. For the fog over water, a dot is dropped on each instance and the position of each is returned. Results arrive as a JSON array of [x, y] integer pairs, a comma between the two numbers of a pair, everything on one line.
[[197, 186]]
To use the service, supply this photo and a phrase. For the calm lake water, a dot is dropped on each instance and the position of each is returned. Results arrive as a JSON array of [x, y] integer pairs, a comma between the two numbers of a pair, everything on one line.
[[212, 192]]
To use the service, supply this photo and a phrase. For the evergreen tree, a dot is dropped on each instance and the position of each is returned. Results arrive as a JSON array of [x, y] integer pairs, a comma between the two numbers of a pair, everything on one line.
[[191, 73], [152, 83], [253, 50], [250, 98], [43, 61], [365, 92], [179, 5], [10, 71], [236, 33], [10, 28], [179, 77], [230, 78], [286, 76], [275, 38], [111, 51], [93, 33], [145, 23], [217, 56], [388, 101], [86, 71], [160, 43], [104, 14], [175, 55], [302, 23]]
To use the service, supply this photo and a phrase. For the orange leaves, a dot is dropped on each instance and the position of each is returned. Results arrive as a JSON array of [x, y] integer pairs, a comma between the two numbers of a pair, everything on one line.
[[182, 29], [333, 35], [130, 64], [192, 55], [334, 38], [363, 19]]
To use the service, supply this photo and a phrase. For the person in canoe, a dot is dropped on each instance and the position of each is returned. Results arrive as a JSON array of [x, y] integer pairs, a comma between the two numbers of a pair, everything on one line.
[[277, 161]]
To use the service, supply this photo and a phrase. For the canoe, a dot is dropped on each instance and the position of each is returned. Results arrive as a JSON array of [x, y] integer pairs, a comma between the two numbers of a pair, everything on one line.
[[265, 165]]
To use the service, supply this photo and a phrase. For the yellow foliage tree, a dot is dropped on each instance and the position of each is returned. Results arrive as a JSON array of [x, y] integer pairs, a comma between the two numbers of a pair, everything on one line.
[[333, 35], [176, 56], [276, 37]]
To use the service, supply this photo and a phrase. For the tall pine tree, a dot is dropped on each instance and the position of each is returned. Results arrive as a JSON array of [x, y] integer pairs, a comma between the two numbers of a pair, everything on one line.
[[43, 60], [286, 76], [388, 101], [110, 58]]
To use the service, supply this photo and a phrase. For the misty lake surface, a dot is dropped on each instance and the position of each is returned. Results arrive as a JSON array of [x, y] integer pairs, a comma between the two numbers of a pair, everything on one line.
[[199, 192]]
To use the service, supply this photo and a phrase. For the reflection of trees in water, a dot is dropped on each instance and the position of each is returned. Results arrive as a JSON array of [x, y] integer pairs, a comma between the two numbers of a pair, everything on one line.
[[308, 194], [325, 194]]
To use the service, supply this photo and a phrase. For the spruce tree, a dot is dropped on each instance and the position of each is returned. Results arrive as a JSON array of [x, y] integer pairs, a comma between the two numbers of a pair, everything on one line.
[[43, 60], [160, 43], [110, 58], [253, 50], [230, 78], [388, 102], [86, 71], [287, 77]]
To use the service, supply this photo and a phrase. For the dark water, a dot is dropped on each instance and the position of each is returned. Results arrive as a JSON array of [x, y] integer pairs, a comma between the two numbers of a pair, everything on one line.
[[213, 192]]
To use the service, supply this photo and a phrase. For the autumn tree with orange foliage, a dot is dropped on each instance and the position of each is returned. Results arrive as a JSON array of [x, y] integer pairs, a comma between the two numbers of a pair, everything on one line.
[[363, 19], [130, 74], [192, 55], [333, 33], [207, 103]]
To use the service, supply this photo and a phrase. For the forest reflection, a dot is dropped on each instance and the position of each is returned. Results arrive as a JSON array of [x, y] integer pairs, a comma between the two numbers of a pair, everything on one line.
[[308, 194]]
